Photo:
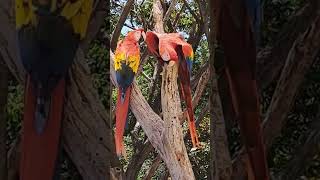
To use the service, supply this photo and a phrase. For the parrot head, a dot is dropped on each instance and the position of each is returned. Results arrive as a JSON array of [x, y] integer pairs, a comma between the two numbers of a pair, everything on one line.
[[152, 41], [135, 35]]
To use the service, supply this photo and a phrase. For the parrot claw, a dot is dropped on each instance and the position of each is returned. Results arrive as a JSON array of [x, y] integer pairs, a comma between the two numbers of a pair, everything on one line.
[[171, 63], [197, 148]]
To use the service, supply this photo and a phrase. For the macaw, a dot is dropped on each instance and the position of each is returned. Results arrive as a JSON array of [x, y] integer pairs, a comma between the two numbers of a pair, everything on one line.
[[238, 24], [48, 34], [126, 64], [172, 47]]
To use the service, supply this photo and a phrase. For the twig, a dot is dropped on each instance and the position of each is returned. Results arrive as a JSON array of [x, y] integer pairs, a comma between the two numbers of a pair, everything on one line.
[[170, 9], [122, 19]]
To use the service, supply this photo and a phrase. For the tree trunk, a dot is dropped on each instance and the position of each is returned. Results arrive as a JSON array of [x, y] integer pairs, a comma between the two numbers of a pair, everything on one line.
[[3, 123], [180, 168], [220, 162]]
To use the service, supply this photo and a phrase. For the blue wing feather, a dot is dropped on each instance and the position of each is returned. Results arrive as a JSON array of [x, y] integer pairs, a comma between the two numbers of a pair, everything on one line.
[[125, 77]]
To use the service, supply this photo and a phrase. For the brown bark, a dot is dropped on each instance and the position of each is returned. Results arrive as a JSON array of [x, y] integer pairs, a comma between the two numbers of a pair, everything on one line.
[[3, 123], [13, 160], [220, 162], [172, 135], [153, 168], [86, 127], [137, 160]]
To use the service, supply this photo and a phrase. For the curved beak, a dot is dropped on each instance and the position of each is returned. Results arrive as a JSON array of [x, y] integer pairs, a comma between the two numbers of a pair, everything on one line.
[[143, 35]]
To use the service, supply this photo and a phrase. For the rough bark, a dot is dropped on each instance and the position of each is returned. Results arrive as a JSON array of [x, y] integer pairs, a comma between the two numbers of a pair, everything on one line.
[[3, 123], [220, 162], [137, 160], [173, 136], [86, 128], [153, 168], [13, 160]]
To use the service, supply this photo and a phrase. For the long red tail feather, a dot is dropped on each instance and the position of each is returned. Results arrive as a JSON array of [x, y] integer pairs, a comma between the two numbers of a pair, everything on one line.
[[250, 127], [184, 77], [39, 152], [121, 118]]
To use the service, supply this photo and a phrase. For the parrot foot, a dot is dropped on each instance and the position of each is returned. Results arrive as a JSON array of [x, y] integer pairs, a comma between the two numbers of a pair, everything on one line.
[[197, 148]]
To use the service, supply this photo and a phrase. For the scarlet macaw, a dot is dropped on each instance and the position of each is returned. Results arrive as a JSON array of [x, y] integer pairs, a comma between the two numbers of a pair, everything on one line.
[[172, 47], [49, 32], [238, 24], [126, 64]]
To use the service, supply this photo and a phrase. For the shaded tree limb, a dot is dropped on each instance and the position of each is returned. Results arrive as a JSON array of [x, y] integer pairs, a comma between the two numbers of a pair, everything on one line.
[[4, 76], [169, 11], [153, 168], [122, 19], [299, 60], [304, 153], [271, 60]]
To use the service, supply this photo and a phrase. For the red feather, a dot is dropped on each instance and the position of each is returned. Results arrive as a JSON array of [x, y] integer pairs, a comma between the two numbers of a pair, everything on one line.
[[121, 118], [240, 52], [39, 152], [184, 77]]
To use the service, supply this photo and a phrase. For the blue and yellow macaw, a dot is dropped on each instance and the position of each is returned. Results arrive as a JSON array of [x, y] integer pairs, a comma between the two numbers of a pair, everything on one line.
[[49, 32], [126, 64], [238, 27]]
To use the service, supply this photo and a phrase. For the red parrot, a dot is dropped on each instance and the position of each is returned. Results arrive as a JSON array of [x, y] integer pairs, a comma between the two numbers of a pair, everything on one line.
[[48, 33], [172, 47], [126, 64], [238, 31]]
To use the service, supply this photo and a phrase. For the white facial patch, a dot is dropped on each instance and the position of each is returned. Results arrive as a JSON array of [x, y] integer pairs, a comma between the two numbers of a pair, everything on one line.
[[137, 35], [165, 56]]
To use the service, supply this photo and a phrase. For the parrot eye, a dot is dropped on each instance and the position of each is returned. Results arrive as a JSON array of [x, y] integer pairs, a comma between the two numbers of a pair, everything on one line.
[[165, 56]]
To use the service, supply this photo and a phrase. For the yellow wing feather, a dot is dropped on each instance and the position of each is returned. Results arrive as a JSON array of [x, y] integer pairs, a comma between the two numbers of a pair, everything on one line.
[[126, 54], [78, 13], [24, 13]]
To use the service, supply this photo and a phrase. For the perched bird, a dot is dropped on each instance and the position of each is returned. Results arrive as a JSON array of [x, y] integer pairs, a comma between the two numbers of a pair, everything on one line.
[[172, 47], [48, 33], [126, 64], [238, 24]]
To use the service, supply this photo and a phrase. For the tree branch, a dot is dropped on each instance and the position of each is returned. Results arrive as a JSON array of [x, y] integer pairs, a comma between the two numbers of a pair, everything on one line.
[[122, 19], [270, 61], [4, 76], [299, 60], [304, 153]]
